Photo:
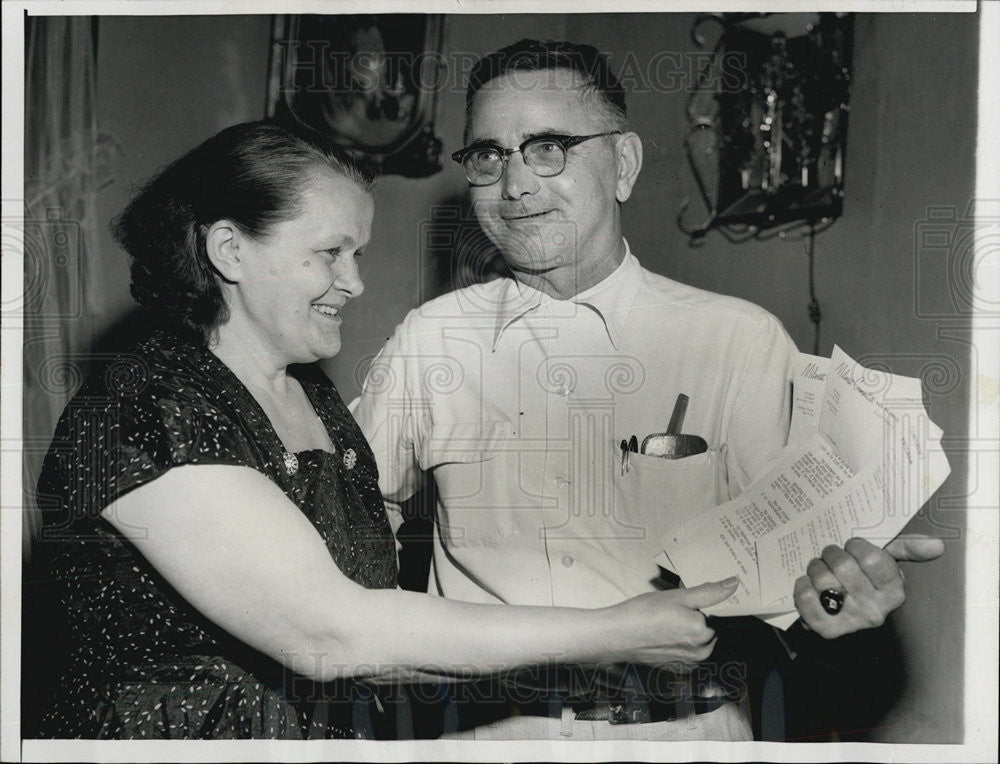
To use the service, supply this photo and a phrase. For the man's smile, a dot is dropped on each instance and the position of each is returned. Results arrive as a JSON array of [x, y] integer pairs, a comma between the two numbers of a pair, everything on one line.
[[526, 216]]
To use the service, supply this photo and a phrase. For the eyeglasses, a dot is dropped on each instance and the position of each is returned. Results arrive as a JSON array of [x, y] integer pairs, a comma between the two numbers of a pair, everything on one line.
[[544, 154]]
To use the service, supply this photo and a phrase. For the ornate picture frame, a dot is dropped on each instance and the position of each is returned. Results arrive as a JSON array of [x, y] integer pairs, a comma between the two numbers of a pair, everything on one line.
[[367, 80]]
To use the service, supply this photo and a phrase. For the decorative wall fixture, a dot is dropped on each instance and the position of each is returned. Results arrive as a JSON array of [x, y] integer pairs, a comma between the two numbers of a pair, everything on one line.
[[768, 122], [369, 81]]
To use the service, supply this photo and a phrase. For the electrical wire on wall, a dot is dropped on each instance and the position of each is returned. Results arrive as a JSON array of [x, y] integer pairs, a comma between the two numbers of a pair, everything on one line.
[[815, 315]]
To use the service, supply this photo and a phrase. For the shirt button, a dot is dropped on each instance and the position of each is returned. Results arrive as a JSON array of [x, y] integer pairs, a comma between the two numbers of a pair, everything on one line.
[[567, 561]]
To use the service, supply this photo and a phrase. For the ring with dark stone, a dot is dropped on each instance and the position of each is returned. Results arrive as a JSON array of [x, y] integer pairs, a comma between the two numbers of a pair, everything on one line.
[[832, 600]]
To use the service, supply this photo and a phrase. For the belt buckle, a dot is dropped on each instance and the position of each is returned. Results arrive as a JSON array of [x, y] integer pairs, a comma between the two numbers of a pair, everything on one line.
[[617, 712], [629, 713]]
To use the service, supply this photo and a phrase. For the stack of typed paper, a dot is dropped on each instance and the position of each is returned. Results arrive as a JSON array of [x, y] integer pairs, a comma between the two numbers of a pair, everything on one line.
[[862, 458]]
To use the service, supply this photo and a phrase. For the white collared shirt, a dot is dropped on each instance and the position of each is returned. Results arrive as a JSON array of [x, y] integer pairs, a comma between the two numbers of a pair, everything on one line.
[[516, 404]]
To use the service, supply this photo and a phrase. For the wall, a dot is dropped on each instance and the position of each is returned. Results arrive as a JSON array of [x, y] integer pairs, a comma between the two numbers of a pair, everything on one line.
[[166, 84]]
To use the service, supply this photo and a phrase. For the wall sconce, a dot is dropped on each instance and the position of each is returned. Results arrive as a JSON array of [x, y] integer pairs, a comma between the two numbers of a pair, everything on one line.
[[768, 123]]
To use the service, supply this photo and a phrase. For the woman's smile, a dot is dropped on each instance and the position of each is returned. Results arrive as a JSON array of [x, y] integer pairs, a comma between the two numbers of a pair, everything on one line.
[[329, 311]]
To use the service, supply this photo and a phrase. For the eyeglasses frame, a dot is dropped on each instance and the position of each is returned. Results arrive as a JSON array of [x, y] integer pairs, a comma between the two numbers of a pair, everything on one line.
[[565, 141]]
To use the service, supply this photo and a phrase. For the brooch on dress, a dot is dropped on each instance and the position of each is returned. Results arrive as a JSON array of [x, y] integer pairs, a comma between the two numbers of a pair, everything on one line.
[[291, 463], [350, 458]]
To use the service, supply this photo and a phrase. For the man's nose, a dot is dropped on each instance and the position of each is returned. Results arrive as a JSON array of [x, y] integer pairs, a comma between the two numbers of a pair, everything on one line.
[[518, 179]]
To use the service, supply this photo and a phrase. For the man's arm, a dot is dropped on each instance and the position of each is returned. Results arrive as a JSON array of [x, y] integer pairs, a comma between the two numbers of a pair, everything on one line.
[[390, 423]]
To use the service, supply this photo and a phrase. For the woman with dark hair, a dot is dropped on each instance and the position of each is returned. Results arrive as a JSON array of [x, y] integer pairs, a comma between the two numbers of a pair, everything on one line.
[[216, 533]]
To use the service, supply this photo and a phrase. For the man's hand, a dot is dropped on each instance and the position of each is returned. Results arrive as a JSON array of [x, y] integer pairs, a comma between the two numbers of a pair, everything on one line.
[[869, 577]]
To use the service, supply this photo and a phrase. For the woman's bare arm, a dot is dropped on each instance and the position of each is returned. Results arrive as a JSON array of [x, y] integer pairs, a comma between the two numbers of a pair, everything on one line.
[[234, 545]]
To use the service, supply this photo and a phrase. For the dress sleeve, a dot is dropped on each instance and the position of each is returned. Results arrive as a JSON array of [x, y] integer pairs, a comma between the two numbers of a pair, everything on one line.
[[108, 443]]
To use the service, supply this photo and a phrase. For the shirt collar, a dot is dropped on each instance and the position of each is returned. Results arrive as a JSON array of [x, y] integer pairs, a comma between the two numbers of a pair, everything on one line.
[[611, 299]]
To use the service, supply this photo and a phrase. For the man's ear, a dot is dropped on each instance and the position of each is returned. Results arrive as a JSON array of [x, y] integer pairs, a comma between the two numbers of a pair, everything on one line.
[[222, 242], [629, 159]]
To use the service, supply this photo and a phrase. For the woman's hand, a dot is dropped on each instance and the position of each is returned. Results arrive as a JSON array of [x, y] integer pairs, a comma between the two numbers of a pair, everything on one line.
[[668, 628], [869, 579]]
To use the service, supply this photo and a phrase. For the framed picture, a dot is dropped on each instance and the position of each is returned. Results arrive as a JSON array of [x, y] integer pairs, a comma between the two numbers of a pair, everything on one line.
[[367, 80]]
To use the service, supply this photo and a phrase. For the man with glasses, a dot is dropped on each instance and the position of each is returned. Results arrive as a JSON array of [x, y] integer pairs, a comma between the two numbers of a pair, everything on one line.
[[520, 395]]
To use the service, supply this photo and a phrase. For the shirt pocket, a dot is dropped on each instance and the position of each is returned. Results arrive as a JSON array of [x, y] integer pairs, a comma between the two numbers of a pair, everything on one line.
[[470, 464], [654, 496]]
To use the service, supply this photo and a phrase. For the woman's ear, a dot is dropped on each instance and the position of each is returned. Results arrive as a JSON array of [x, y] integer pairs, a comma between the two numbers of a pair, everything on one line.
[[629, 163], [222, 242]]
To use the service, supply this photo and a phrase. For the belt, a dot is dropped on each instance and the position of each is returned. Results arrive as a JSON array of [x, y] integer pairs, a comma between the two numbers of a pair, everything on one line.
[[620, 695], [621, 711], [647, 710]]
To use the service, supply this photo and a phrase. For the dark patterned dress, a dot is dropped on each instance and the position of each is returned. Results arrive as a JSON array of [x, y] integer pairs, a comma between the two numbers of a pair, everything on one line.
[[139, 661]]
